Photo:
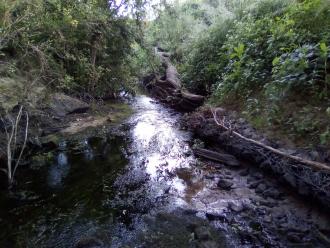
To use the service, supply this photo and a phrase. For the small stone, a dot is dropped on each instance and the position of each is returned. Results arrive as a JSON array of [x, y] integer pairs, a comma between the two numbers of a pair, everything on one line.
[[225, 184]]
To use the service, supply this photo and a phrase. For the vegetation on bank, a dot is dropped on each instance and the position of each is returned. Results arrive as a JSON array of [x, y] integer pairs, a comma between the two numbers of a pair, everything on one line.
[[83, 48], [80, 47], [270, 60]]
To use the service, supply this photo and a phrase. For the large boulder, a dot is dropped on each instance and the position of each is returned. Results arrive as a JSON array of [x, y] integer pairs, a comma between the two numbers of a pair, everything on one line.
[[62, 105]]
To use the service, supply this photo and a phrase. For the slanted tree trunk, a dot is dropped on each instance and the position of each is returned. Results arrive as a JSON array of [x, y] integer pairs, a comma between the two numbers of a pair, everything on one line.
[[168, 88]]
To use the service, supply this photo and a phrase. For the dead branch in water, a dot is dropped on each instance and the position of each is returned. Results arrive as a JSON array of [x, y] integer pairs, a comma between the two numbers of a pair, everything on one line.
[[312, 164]]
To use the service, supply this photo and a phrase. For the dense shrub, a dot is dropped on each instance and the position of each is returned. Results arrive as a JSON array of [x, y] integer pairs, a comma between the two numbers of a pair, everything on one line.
[[263, 57], [74, 46]]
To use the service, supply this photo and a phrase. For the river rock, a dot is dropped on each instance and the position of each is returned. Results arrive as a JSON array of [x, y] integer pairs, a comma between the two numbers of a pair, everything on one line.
[[225, 184], [62, 105]]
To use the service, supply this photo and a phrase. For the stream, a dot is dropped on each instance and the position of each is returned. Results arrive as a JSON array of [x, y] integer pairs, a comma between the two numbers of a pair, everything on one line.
[[141, 186]]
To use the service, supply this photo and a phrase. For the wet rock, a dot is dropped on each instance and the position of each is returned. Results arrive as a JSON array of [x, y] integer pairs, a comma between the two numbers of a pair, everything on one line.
[[62, 105], [89, 243], [225, 184]]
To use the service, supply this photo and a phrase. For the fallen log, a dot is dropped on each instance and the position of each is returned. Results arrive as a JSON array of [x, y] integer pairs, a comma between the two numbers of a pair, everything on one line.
[[216, 156], [312, 164], [168, 88]]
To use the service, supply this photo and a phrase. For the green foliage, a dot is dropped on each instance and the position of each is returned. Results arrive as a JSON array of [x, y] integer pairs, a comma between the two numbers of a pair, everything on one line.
[[73, 46], [260, 55]]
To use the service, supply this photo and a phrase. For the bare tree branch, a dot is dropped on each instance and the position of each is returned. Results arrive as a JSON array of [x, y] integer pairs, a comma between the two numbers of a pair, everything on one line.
[[312, 164]]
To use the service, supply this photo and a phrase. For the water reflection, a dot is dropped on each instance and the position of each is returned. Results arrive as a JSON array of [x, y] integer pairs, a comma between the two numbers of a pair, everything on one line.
[[87, 150], [58, 171], [161, 147]]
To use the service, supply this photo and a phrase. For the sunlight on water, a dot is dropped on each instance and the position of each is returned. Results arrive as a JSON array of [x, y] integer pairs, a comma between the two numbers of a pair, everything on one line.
[[156, 137]]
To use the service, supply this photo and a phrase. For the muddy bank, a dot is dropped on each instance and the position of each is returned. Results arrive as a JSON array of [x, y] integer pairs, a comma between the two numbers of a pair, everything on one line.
[[308, 182]]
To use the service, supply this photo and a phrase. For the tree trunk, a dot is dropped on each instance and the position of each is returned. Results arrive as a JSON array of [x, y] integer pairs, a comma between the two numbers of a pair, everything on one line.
[[168, 89]]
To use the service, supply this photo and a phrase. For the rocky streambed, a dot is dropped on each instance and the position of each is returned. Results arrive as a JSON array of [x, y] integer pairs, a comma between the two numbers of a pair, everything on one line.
[[139, 184]]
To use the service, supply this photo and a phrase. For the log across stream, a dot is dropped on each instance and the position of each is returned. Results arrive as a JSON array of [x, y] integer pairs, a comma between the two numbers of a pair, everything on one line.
[[139, 184], [169, 89]]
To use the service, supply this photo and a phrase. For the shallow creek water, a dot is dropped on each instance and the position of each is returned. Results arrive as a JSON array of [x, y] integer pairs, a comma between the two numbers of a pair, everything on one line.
[[141, 186]]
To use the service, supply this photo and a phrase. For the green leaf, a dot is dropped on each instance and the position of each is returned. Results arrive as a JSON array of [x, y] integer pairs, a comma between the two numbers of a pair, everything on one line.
[[276, 61], [323, 47]]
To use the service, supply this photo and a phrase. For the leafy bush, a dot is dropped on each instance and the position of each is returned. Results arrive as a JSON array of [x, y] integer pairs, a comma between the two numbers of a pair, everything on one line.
[[264, 56], [74, 46]]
